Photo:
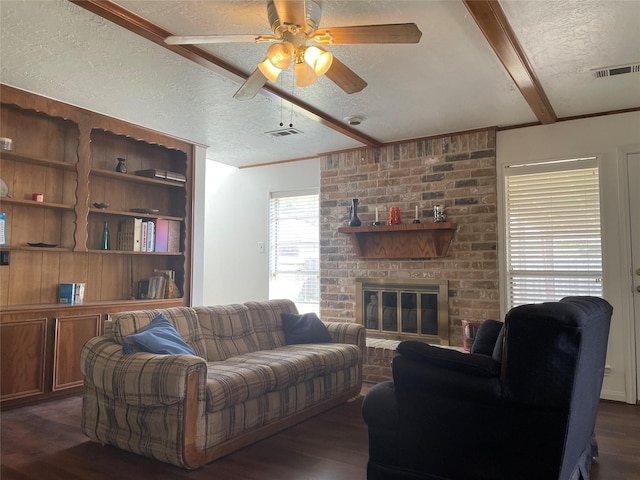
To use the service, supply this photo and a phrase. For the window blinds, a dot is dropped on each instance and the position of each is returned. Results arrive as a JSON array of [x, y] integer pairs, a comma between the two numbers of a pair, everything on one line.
[[553, 241], [294, 248]]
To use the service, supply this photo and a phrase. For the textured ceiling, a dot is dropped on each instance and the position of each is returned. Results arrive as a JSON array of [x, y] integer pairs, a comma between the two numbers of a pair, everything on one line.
[[451, 81]]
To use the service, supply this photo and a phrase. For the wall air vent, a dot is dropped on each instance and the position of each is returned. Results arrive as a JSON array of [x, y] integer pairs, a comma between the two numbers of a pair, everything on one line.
[[284, 132], [618, 70]]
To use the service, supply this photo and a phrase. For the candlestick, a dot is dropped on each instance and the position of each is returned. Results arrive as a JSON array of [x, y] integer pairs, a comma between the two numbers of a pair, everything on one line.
[[377, 214], [416, 220]]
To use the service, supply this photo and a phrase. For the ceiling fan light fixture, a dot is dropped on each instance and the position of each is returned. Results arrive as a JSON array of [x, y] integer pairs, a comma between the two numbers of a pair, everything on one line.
[[269, 70], [319, 60], [305, 75], [280, 54]]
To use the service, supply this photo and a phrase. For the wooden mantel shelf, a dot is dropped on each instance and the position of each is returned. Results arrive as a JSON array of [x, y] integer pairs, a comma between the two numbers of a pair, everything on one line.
[[411, 240]]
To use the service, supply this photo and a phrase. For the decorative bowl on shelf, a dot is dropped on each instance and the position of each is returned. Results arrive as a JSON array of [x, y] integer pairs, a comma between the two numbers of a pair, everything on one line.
[[42, 245], [144, 210], [101, 206]]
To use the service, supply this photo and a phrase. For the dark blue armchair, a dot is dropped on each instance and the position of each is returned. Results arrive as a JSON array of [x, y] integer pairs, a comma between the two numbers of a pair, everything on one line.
[[521, 405]]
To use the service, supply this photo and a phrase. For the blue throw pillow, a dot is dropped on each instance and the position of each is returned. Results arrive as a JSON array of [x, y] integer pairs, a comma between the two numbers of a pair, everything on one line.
[[306, 328], [160, 336]]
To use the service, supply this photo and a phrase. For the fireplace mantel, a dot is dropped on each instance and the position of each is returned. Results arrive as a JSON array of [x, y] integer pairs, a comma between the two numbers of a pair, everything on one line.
[[412, 240]]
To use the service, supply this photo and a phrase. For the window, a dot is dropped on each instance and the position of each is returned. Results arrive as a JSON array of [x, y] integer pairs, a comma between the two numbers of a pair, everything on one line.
[[553, 241], [294, 248]]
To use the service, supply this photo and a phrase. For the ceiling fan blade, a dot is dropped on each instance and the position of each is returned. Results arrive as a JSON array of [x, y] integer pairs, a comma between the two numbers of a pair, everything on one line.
[[291, 12], [201, 39], [251, 86], [344, 77], [385, 33]]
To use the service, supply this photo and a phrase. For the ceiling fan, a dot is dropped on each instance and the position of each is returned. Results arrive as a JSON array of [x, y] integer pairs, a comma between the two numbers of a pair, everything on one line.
[[294, 23]]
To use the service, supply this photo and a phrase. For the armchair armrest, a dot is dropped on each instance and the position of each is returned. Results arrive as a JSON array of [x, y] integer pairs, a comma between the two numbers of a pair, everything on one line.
[[431, 370], [347, 332], [142, 379]]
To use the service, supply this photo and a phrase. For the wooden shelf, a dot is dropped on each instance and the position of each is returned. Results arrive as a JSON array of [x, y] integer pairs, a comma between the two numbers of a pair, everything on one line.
[[411, 240], [33, 203], [120, 213], [130, 177], [45, 162], [129, 252], [35, 249]]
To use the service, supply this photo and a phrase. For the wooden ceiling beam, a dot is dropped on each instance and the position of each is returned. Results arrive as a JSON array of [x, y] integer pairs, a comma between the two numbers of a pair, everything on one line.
[[119, 15], [493, 23]]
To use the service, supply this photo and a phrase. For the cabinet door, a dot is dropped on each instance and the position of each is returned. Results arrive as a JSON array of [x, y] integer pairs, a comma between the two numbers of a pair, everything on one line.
[[70, 335], [23, 358]]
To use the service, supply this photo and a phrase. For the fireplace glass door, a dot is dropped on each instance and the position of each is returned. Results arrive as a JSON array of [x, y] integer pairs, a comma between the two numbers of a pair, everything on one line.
[[398, 312]]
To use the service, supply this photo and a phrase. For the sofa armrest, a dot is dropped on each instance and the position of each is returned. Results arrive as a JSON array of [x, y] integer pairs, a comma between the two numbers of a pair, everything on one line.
[[143, 379], [347, 332]]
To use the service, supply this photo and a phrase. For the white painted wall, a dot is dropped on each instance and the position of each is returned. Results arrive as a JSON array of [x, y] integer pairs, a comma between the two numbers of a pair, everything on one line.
[[236, 219], [197, 245], [602, 136]]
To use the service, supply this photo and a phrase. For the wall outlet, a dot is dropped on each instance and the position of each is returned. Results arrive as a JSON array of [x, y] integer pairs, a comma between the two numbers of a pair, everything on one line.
[[5, 257]]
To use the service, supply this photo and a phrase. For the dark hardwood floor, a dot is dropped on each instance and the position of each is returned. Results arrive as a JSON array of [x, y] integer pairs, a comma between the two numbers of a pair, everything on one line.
[[44, 442]]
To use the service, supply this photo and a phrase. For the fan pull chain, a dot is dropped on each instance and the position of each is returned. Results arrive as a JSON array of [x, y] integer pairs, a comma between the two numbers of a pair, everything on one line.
[[293, 86], [281, 105], [291, 117]]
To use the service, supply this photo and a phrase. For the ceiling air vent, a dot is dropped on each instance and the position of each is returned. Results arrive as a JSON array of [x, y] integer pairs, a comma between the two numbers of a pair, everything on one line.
[[284, 132], [618, 70]]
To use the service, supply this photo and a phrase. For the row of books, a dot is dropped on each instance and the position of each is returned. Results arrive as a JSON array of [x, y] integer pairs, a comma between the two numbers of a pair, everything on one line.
[[161, 285], [159, 235]]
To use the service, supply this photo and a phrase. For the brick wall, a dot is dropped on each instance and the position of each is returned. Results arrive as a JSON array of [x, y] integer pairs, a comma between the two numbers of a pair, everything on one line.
[[457, 171]]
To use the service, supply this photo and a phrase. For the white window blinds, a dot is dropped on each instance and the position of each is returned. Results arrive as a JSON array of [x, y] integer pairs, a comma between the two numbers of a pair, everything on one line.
[[294, 248], [553, 241]]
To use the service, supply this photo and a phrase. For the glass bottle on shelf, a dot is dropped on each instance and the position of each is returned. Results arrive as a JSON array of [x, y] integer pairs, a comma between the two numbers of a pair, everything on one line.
[[105, 244]]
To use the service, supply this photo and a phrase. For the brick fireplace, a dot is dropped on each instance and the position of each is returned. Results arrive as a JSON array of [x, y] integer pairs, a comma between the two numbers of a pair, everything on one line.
[[457, 171]]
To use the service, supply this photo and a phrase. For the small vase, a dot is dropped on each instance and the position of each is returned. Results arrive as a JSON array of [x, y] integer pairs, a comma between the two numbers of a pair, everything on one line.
[[105, 244], [354, 221], [122, 165], [394, 216]]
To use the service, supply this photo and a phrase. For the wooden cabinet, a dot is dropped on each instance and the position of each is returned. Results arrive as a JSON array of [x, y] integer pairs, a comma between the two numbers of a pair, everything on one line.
[[23, 358], [71, 333], [69, 156]]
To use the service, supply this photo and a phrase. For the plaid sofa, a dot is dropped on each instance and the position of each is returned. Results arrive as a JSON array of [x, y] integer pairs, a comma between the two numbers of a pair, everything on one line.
[[243, 385]]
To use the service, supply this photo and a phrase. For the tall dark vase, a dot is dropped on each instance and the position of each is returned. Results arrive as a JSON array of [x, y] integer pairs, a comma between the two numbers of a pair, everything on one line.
[[354, 221], [122, 165]]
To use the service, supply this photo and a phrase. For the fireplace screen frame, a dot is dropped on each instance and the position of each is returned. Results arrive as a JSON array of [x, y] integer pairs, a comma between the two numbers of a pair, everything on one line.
[[406, 288]]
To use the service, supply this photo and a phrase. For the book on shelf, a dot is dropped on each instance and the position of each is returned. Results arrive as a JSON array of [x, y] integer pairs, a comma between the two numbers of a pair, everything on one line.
[[170, 274], [143, 237], [130, 235], [157, 286], [3, 228], [171, 287], [143, 289], [151, 236], [167, 233], [79, 294], [162, 175], [71, 293]]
